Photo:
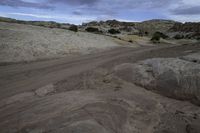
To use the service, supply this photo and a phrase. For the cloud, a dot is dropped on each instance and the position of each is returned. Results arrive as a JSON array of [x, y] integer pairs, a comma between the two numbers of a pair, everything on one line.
[[183, 18], [107, 9], [21, 3], [141, 3], [77, 13], [75, 2], [118, 3], [96, 6], [33, 15], [193, 10], [112, 7]]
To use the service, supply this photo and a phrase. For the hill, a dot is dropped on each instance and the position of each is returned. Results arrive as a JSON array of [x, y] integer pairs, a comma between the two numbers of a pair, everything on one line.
[[21, 42], [142, 28], [186, 27], [49, 24]]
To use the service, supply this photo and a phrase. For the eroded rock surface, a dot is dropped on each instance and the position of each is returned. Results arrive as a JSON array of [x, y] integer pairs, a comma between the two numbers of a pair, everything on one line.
[[192, 58], [172, 77], [94, 100]]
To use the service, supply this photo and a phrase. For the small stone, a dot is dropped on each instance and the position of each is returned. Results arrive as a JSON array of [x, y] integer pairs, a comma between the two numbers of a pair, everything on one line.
[[45, 90], [106, 81]]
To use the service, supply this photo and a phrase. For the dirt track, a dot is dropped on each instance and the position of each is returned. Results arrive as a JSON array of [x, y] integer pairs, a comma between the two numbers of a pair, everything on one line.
[[81, 95]]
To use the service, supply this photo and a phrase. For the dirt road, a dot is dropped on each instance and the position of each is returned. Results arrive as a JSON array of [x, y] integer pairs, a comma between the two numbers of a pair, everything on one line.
[[81, 95]]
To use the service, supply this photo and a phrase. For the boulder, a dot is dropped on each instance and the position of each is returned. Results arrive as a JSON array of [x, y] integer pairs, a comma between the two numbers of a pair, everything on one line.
[[171, 77]]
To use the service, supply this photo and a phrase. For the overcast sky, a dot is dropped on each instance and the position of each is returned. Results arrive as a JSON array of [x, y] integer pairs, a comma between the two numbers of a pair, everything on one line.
[[78, 11]]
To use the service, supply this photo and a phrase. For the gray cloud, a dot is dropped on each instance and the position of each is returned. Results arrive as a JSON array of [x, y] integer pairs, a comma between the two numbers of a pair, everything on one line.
[[20, 3], [195, 10], [75, 2], [140, 3], [117, 3], [104, 5], [77, 13], [112, 8]]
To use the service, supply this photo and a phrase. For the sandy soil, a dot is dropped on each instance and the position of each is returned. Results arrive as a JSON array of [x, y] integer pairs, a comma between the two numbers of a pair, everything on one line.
[[82, 95]]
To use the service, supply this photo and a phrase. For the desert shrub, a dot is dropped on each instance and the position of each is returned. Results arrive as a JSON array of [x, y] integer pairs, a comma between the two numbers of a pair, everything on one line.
[[20, 22], [178, 36], [114, 31], [157, 36], [39, 24], [53, 25], [162, 35], [57, 25], [146, 33], [92, 29], [188, 36], [73, 28], [198, 38]]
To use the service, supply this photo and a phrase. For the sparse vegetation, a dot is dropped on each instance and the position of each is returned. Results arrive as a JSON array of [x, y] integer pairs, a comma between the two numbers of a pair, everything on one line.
[[114, 31], [73, 28]]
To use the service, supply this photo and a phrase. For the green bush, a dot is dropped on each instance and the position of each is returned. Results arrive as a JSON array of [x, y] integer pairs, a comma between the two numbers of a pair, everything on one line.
[[92, 29], [114, 31], [73, 28]]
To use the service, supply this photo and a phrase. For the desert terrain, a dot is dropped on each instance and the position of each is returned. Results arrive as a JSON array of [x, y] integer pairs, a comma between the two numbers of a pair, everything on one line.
[[28, 43], [55, 80]]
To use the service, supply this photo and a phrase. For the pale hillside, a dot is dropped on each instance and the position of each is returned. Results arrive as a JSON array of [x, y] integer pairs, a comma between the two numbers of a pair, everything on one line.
[[26, 43]]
